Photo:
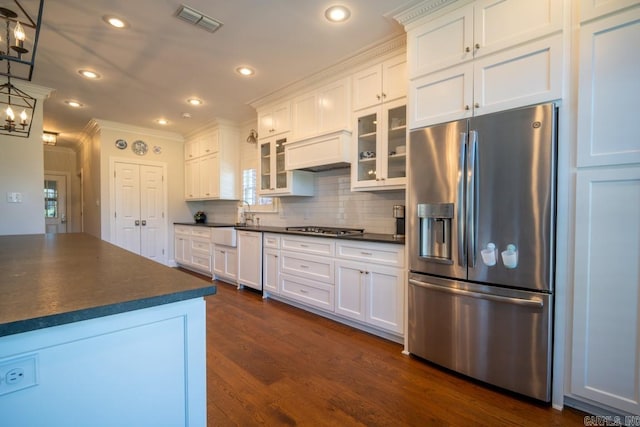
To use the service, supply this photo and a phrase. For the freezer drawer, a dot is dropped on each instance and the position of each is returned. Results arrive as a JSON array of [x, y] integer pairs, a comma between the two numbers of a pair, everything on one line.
[[495, 335]]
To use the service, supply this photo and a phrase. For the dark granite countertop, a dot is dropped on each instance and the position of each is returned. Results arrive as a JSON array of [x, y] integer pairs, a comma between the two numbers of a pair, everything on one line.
[[55, 279], [366, 237], [205, 224]]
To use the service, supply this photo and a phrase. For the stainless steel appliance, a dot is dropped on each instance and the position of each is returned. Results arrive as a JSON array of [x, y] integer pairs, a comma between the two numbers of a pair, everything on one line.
[[398, 214], [327, 231], [481, 237]]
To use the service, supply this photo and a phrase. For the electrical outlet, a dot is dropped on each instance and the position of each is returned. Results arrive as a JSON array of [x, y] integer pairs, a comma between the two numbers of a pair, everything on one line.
[[18, 374]]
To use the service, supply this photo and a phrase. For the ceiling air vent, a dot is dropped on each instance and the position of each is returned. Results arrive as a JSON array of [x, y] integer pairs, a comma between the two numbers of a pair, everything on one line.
[[194, 17]]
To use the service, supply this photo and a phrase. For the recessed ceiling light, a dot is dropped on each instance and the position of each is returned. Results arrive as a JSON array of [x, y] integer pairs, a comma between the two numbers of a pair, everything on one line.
[[162, 121], [73, 103], [115, 21], [89, 74], [337, 13], [194, 101], [245, 71]]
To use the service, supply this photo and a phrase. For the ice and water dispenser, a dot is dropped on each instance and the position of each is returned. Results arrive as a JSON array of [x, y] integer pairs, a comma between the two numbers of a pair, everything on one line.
[[435, 230]]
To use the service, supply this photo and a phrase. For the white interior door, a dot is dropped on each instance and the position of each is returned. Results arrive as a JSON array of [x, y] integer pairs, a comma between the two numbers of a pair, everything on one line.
[[151, 212], [138, 199], [55, 203], [127, 206]]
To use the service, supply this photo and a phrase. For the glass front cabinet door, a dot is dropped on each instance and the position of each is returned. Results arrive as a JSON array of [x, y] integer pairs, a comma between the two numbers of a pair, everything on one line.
[[379, 161], [273, 176]]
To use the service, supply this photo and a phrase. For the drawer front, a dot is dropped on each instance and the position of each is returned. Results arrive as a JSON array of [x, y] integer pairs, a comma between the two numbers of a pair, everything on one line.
[[309, 266], [271, 241], [320, 295], [202, 262], [315, 246], [181, 229], [203, 246], [377, 253], [204, 232]]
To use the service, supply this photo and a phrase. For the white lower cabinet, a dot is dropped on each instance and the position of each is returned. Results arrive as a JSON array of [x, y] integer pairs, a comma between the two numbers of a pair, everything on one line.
[[192, 247], [271, 264], [606, 335], [350, 280], [225, 263], [368, 291], [250, 259]]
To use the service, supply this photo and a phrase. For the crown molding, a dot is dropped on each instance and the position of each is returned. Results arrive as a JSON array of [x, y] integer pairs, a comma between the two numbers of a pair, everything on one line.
[[417, 10], [391, 47], [95, 125]]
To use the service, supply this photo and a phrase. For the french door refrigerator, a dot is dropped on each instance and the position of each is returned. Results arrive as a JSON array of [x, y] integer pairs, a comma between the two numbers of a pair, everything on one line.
[[481, 236]]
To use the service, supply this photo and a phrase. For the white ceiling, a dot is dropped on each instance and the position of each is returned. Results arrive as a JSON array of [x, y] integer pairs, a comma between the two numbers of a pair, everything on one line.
[[150, 69]]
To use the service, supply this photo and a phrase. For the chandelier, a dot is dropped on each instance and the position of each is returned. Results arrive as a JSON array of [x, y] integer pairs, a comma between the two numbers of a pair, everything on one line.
[[17, 49]]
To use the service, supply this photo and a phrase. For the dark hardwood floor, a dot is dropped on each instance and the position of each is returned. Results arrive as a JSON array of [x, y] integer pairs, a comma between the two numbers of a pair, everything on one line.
[[272, 364]]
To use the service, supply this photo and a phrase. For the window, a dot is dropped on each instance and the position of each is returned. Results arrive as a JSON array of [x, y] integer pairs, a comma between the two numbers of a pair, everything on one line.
[[250, 193], [50, 199]]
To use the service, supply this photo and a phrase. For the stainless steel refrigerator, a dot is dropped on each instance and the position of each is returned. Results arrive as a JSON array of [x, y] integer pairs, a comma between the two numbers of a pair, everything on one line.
[[481, 236]]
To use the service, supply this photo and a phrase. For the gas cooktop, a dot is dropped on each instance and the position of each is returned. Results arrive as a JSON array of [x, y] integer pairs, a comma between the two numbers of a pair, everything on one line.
[[327, 231]]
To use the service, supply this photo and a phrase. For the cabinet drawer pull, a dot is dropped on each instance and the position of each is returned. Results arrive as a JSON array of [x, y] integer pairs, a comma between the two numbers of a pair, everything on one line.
[[304, 266], [366, 253], [304, 246], [304, 291]]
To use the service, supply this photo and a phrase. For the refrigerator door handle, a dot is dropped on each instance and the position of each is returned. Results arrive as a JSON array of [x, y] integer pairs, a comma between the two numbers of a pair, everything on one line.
[[471, 199], [534, 303], [460, 202]]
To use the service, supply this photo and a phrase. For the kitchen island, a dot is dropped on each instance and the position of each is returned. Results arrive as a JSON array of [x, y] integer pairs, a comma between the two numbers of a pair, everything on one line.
[[91, 334]]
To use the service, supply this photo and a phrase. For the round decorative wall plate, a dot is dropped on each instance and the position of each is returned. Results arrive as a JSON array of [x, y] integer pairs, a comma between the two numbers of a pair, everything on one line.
[[121, 144], [140, 148]]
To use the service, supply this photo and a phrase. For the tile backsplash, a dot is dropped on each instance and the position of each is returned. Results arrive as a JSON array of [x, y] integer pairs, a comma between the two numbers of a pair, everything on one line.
[[334, 204]]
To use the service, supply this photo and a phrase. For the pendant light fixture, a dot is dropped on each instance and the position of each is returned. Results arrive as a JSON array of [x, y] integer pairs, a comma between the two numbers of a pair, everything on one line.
[[18, 49]]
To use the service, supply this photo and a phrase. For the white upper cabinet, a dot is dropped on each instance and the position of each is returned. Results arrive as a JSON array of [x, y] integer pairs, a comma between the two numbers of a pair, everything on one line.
[[380, 83], [274, 120], [478, 29], [590, 9], [211, 169], [609, 89], [485, 57], [322, 111]]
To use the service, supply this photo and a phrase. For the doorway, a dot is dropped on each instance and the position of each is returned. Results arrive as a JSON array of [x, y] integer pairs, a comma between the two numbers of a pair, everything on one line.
[[138, 208], [55, 203]]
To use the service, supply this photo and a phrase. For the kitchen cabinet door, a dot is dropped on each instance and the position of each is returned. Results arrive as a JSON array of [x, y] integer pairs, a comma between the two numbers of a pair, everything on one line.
[[350, 289], [274, 120], [380, 83], [250, 259], [606, 334], [274, 179], [192, 179], [590, 9], [608, 91], [225, 263], [385, 297], [271, 273], [379, 154], [209, 177]]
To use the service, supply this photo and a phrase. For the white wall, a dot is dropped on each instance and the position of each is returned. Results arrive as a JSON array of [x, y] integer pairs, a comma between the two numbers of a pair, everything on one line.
[[22, 171]]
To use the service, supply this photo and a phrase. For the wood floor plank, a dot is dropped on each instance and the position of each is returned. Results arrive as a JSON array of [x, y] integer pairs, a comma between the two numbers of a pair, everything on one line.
[[272, 364]]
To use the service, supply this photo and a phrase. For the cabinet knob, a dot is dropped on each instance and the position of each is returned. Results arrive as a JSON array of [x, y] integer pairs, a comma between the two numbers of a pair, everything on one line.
[[378, 97], [137, 222], [477, 45], [476, 105], [384, 95], [466, 107], [467, 49]]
